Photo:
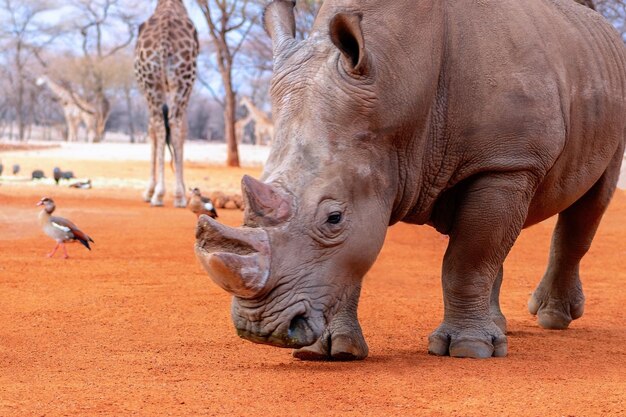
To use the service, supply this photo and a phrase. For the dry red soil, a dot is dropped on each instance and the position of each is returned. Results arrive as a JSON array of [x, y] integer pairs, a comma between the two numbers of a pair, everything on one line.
[[135, 327]]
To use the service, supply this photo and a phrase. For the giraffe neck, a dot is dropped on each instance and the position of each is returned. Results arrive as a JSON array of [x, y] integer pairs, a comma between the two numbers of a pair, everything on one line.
[[251, 108], [255, 113], [168, 4], [67, 97], [61, 92]]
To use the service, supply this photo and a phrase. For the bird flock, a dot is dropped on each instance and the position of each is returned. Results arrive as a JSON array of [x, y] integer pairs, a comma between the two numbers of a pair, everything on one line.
[[64, 231]]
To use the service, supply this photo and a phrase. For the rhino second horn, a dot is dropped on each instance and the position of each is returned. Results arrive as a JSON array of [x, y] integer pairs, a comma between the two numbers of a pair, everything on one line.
[[236, 259], [265, 205]]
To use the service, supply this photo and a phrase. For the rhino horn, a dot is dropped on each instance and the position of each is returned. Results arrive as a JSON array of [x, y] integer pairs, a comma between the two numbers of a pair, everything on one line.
[[280, 23], [236, 259], [265, 205]]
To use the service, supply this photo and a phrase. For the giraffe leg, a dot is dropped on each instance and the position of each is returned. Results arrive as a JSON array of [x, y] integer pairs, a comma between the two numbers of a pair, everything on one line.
[[72, 129], [159, 190], [179, 132], [147, 195], [91, 131]]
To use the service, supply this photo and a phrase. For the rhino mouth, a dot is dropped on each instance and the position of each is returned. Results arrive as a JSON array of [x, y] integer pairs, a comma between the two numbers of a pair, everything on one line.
[[300, 333]]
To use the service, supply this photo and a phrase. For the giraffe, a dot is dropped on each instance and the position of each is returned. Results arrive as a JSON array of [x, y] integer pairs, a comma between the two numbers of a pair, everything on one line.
[[240, 127], [75, 110], [165, 68], [263, 125]]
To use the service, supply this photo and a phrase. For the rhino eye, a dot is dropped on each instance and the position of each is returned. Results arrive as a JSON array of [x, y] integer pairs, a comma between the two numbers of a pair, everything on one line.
[[334, 218]]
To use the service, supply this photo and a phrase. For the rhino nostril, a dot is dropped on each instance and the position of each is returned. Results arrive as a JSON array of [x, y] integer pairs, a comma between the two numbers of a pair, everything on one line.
[[298, 328]]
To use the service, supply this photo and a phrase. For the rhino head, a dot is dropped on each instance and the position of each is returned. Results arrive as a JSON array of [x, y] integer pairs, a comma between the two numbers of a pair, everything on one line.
[[316, 220]]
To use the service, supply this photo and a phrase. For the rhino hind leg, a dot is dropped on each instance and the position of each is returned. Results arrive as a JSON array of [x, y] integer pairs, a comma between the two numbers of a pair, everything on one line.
[[559, 297], [342, 340]]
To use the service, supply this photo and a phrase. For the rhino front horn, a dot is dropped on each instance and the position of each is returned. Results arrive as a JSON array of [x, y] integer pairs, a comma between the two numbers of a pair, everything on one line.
[[265, 205], [236, 259]]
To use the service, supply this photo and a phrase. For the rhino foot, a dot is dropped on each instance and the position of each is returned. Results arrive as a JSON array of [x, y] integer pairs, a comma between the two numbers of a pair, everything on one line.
[[556, 312], [468, 341], [335, 346]]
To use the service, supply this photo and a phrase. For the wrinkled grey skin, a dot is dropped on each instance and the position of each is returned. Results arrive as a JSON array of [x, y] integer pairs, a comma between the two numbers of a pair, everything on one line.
[[477, 118]]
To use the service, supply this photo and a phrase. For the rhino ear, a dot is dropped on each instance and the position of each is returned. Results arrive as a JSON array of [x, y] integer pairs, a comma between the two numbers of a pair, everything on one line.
[[347, 35], [280, 23]]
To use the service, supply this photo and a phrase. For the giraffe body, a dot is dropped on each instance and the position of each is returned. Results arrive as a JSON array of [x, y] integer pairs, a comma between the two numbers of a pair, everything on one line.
[[263, 125], [165, 68], [76, 111]]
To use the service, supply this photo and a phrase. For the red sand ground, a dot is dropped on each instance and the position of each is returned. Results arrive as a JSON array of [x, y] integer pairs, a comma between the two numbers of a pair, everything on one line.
[[135, 327]]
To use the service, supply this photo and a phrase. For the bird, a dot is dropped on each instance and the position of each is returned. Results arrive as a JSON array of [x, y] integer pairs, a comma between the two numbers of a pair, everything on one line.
[[61, 230], [201, 205], [56, 174], [16, 169], [83, 185], [37, 175]]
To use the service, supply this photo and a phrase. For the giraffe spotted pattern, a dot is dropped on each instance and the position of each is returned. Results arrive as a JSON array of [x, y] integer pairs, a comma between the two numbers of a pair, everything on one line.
[[165, 67]]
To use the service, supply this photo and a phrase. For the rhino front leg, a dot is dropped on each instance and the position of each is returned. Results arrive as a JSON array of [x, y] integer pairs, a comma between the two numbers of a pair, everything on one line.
[[559, 297], [488, 219], [342, 339], [494, 304]]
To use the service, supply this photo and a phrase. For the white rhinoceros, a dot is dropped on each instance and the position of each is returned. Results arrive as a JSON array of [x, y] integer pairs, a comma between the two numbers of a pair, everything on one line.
[[477, 117]]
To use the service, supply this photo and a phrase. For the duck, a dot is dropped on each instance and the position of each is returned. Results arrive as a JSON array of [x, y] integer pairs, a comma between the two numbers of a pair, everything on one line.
[[61, 230], [201, 205]]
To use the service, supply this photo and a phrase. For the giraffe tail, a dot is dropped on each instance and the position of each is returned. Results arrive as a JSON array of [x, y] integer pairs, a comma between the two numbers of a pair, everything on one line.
[[168, 133]]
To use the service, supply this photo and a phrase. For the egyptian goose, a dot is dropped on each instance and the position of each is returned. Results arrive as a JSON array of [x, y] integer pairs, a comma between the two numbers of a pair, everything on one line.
[[201, 205], [60, 229]]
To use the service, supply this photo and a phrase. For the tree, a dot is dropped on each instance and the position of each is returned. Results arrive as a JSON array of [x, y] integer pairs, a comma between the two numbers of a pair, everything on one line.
[[95, 21], [24, 35], [229, 23]]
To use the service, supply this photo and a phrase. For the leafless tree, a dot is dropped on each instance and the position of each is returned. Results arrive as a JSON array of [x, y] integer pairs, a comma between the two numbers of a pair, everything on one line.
[[24, 34], [94, 21], [229, 23]]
